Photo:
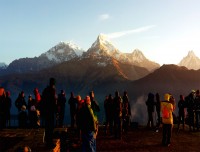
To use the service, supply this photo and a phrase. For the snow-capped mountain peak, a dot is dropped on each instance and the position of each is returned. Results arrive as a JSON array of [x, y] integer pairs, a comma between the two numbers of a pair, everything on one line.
[[63, 51], [104, 43], [191, 61], [191, 54], [138, 55], [3, 65]]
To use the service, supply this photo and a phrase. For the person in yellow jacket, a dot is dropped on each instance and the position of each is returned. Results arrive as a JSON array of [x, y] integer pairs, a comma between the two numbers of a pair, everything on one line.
[[167, 119]]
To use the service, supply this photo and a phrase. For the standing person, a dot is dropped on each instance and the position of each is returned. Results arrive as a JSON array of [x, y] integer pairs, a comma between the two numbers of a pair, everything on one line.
[[106, 108], [73, 103], [61, 107], [158, 111], [167, 119], [23, 117], [197, 109], [118, 115], [49, 99], [181, 112], [89, 127], [20, 101], [190, 100], [150, 109], [8, 103], [94, 103], [2, 107], [37, 105], [80, 104], [32, 114], [126, 112], [111, 113]]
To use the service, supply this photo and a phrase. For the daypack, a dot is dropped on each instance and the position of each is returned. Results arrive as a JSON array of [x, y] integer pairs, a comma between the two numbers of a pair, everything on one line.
[[165, 112]]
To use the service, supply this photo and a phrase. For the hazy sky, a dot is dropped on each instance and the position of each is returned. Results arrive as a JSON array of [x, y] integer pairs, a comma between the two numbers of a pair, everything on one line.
[[164, 30]]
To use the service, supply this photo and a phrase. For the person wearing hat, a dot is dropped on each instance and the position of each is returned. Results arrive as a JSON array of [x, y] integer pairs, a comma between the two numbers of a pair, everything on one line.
[[167, 119]]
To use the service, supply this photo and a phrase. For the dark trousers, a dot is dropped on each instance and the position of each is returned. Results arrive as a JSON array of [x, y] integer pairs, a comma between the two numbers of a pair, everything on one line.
[[150, 119], [118, 127], [158, 119], [167, 132], [191, 119], [49, 128], [181, 119], [197, 114]]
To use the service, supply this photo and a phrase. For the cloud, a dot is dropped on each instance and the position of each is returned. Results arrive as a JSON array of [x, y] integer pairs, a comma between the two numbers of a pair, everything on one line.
[[123, 33], [103, 17]]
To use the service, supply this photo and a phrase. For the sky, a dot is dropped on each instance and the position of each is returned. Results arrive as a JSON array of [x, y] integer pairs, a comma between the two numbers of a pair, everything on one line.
[[165, 31]]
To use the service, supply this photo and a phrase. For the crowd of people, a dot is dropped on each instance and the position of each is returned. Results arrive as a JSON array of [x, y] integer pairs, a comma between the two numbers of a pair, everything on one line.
[[188, 112], [48, 110]]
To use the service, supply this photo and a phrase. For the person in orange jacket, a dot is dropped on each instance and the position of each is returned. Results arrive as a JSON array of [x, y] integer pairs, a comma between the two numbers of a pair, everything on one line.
[[167, 119]]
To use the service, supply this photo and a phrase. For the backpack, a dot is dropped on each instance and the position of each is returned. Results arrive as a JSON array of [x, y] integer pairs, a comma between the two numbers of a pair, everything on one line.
[[165, 112]]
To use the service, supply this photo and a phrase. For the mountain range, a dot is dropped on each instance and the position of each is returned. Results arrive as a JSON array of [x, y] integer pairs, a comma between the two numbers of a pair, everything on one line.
[[103, 69]]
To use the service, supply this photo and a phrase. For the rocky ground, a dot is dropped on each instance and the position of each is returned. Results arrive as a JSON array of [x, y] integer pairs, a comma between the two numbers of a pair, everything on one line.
[[137, 139]]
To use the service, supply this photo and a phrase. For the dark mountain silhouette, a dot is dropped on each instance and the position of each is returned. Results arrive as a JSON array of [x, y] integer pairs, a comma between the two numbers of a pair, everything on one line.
[[167, 79]]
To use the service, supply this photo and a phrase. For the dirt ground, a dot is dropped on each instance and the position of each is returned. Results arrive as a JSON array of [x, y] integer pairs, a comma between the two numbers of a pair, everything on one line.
[[146, 140], [138, 139]]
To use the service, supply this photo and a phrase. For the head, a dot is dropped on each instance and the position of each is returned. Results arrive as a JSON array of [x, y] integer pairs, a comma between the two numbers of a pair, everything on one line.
[[78, 97], [52, 81], [72, 94], [22, 94], [167, 97], [197, 92], [87, 100], [62, 92], [7, 93], [117, 93], [181, 97], [35, 91], [30, 97], [172, 99], [91, 94], [150, 96], [125, 93]]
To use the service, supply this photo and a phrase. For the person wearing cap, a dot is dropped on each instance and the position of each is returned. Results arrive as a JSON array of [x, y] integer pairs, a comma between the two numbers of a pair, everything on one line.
[[167, 120]]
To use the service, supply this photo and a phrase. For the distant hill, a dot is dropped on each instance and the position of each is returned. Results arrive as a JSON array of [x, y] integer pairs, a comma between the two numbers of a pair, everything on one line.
[[167, 79]]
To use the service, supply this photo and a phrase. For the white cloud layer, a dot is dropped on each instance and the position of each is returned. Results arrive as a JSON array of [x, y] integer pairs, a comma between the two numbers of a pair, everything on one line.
[[123, 33], [103, 17]]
